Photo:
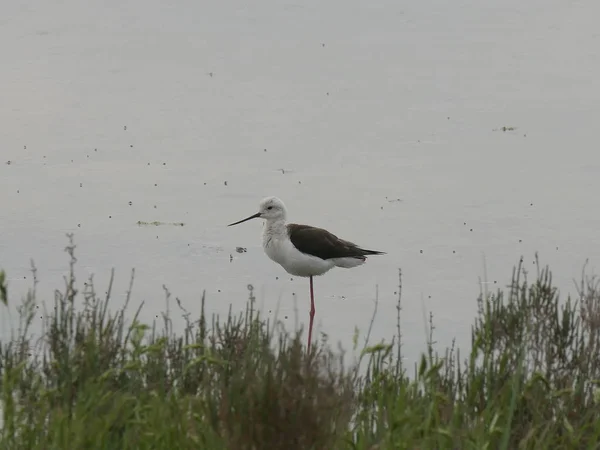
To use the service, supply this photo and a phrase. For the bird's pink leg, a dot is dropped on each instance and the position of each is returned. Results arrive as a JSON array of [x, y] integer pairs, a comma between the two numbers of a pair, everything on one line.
[[312, 313]]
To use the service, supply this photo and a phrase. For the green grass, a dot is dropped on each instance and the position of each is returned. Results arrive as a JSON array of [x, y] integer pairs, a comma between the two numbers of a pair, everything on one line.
[[96, 379]]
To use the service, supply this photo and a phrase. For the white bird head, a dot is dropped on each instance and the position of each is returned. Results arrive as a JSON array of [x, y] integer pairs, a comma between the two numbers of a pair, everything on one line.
[[270, 208]]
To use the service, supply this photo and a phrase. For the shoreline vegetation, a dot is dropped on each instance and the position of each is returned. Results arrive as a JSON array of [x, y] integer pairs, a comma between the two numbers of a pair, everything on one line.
[[97, 378]]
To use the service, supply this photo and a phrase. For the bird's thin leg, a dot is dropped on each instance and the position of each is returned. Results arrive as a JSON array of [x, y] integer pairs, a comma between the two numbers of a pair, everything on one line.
[[312, 313]]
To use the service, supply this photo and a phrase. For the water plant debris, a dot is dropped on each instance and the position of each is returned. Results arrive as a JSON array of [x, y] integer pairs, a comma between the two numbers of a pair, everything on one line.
[[156, 223]]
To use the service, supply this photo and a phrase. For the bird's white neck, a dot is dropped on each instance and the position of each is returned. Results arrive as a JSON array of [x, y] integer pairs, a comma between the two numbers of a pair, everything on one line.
[[274, 229]]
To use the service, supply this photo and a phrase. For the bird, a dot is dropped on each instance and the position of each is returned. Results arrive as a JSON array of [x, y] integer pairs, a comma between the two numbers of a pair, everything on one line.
[[303, 250]]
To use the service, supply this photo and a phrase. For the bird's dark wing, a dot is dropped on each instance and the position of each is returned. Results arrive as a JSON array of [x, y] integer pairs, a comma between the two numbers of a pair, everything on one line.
[[323, 244]]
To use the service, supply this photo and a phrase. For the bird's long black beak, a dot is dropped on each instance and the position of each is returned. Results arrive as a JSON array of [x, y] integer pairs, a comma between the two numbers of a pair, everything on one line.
[[254, 216]]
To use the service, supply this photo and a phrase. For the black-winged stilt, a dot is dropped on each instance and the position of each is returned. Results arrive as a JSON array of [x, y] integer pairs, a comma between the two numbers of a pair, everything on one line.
[[303, 250]]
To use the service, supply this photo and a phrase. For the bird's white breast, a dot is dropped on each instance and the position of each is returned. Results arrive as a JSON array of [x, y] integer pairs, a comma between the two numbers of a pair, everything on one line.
[[280, 249], [274, 247]]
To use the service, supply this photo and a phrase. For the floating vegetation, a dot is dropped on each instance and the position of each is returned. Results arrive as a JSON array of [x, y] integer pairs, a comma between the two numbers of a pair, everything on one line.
[[393, 200], [156, 223]]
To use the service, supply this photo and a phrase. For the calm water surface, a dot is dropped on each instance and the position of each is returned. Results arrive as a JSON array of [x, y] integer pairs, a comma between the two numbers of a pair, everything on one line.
[[381, 121]]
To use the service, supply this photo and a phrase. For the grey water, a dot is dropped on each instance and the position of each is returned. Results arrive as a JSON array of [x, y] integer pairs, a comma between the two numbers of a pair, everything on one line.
[[439, 132]]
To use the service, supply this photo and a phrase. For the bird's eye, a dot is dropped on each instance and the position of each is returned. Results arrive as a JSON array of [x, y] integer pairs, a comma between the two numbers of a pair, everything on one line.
[[270, 207]]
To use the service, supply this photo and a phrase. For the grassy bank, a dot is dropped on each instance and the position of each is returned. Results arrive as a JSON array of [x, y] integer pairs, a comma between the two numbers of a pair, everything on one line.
[[98, 379]]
